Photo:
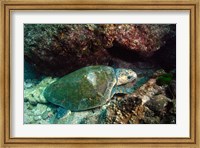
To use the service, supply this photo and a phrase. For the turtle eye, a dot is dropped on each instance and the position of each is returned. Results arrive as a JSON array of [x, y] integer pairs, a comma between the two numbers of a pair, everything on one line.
[[129, 77]]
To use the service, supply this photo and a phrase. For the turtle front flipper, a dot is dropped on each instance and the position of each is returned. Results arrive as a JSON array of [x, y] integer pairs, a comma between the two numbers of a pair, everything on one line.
[[120, 90], [109, 91]]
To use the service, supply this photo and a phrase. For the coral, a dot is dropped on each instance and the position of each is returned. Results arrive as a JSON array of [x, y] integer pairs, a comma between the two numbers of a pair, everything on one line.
[[35, 94]]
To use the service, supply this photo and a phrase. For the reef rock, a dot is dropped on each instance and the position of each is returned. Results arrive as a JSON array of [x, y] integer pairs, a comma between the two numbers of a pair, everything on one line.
[[144, 39], [35, 94], [60, 49], [148, 104], [38, 114]]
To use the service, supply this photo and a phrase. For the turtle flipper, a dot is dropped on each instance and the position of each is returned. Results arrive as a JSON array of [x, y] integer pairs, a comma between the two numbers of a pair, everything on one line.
[[120, 90], [61, 112]]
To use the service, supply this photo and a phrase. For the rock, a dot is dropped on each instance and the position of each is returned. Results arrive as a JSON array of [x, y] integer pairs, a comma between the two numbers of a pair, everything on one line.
[[30, 106], [144, 39], [164, 79], [45, 115], [148, 90], [38, 114], [28, 119], [102, 116], [35, 94], [42, 122], [171, 119], [158, 103], [171, 90], [133, 108], [121, 111], [40, 109], [48, 109], [58, 49], [84, 117], [152, 120], [28, 83], [36, 118]]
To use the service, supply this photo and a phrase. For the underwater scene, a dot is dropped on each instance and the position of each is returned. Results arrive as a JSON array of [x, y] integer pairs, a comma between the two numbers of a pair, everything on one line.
[[99, 74]]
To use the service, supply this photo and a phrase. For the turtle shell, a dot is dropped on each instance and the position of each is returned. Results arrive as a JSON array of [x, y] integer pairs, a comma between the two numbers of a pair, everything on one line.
[[86, 88]]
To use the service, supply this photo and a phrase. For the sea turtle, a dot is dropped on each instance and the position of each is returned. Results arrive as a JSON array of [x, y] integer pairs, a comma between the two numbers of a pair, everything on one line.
[[88, 87]]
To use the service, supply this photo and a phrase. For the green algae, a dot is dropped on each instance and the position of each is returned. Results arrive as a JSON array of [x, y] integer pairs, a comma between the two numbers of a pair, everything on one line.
[[164, 79]]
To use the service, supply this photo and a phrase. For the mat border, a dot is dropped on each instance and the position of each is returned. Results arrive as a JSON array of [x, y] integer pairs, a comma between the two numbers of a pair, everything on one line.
[[7, 6]]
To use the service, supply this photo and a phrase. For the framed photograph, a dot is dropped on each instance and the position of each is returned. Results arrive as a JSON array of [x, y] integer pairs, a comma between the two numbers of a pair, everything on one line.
[[104, 73]]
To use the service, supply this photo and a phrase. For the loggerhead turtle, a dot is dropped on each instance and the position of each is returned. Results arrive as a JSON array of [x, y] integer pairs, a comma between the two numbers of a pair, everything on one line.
[[88, 87]]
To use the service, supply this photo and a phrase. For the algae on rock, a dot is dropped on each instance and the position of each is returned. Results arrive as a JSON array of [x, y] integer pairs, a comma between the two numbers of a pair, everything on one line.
[[35, 94]]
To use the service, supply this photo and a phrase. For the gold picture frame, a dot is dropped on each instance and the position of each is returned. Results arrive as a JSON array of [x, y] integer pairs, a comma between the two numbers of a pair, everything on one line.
[[7, 6]]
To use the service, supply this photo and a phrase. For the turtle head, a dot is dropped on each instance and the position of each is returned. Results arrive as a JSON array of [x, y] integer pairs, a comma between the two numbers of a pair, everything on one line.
[[125, 76]]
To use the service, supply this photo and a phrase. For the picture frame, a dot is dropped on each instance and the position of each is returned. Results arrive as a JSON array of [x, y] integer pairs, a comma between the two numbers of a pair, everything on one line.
[[13, 5]]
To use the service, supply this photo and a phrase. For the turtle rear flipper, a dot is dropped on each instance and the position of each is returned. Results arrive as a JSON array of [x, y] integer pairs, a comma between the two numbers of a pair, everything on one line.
[[61, 112]]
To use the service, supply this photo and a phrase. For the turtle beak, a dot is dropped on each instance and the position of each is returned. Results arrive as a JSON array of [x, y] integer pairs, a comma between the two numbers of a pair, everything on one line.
[[135, 77], [134, 81]]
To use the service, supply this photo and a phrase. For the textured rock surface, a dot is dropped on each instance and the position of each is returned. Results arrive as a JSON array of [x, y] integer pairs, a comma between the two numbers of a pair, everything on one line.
[[60, 49], [144, 39], [133, 108], [38, 114], [34, 94]]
